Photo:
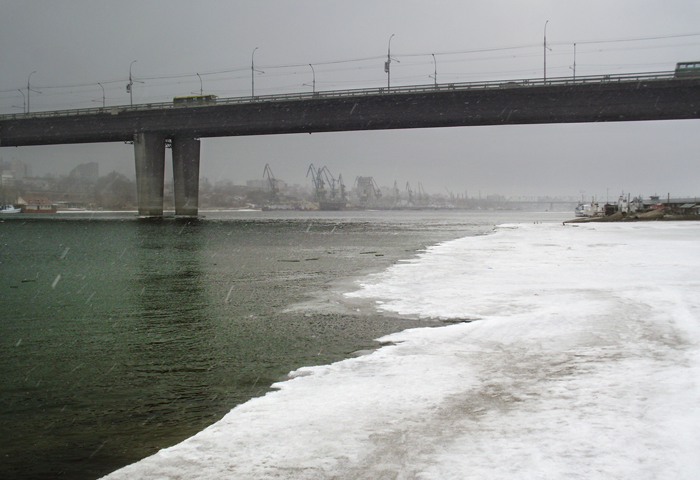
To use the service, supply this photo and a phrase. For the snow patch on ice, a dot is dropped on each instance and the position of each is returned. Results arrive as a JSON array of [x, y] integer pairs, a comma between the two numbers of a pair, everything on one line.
[[584, 364]]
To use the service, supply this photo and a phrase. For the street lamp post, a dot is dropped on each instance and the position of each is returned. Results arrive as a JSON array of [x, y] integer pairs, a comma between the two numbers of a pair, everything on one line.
[[103, 94], [545, 51], [435, 72], [130, 86], [201, 85], [24, 101], [387, 65], [29, 90], [313, 84], [252, 74]]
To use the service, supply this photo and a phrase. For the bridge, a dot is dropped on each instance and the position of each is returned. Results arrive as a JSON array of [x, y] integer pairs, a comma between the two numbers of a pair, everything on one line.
[[607, 98]]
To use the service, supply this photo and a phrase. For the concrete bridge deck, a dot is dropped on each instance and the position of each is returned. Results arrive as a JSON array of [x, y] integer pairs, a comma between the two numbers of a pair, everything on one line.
[[589, 99]]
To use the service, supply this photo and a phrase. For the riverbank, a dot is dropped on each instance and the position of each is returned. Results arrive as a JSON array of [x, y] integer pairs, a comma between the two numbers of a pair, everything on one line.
[[122, 337], [651, 216], [580, 362]]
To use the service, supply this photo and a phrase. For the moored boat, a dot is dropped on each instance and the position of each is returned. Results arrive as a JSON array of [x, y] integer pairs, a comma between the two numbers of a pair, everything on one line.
[[331, 205], [593, 209], [9, 209]]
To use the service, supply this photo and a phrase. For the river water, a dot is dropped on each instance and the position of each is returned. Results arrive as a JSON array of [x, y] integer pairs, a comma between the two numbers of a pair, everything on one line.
[[121, 336]]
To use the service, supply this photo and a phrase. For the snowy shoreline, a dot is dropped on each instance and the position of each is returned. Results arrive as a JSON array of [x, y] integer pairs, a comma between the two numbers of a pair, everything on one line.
[[583, 364]]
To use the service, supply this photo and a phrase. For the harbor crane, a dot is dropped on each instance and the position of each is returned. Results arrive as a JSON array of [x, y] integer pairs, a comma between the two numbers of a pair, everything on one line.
[[342, 187], [317, 179], [330, 180], [367, 189], [272, 181], [422, 196]]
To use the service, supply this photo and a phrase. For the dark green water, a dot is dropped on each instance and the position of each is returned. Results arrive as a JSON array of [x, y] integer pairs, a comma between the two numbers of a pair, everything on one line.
[[122, 336]]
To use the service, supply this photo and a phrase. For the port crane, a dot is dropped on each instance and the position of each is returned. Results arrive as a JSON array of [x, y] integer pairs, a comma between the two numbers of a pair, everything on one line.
[[367, 189], [422, 196], [330, 180], [317, 180], [342, 187], [272, 181]]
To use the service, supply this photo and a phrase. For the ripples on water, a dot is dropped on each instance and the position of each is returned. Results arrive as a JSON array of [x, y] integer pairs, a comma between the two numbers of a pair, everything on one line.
[[123, 336]]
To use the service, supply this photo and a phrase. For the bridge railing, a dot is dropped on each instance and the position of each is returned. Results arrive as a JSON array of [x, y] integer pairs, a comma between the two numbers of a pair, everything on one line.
[[362, 92]]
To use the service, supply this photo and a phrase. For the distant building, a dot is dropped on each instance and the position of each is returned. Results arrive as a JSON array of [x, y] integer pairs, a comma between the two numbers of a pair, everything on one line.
[[256, 184], [87, 171], [36, 205], [264, 184], [367, 189], [14, 171], [20, 169], [8, 179], [495, 198], [38, 183]]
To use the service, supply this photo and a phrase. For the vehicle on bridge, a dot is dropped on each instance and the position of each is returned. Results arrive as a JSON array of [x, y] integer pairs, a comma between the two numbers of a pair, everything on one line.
[[687, 69], [195, 100]]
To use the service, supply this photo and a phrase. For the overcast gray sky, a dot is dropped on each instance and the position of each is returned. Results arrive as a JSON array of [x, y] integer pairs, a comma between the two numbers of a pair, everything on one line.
[[73, 45]]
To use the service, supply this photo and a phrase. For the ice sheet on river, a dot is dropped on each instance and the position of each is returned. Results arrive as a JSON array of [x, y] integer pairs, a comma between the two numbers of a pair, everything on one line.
[[584, 363]]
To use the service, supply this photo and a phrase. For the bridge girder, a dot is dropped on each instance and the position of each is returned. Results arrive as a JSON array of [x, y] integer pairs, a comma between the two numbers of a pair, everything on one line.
[[602, 102]]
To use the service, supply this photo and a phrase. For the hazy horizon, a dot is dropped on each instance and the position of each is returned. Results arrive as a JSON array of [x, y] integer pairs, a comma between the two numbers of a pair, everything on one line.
[[70, 50]]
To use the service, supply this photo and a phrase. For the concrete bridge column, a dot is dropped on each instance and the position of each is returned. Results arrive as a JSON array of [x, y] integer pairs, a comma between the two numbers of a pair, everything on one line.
[[186, 175], [149, 152]]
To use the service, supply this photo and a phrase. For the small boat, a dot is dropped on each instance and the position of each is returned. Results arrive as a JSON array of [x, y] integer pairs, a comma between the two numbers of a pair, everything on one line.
[[9, 209], [593, 209], [276, 207], [332, 205]]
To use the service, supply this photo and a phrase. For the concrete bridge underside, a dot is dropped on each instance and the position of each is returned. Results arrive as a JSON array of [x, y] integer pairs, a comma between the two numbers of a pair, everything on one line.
[[150, 128]]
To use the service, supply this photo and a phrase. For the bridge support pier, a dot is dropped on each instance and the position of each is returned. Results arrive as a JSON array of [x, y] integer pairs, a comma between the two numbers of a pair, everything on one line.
[[149, 153], [186, 175]]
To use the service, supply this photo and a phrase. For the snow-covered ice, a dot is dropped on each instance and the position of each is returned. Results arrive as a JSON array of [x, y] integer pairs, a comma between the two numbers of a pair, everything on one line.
[[583, 361]]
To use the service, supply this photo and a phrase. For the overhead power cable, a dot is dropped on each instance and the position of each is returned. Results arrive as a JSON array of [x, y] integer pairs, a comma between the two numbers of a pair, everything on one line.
[[363, 59], [637, 39]]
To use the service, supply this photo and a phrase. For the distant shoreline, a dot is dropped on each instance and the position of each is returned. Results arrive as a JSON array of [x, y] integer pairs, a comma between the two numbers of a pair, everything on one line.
[[651, 216]]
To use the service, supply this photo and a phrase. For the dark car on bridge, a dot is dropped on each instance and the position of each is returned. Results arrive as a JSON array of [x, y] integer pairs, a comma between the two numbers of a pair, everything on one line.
[[687, 69]]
